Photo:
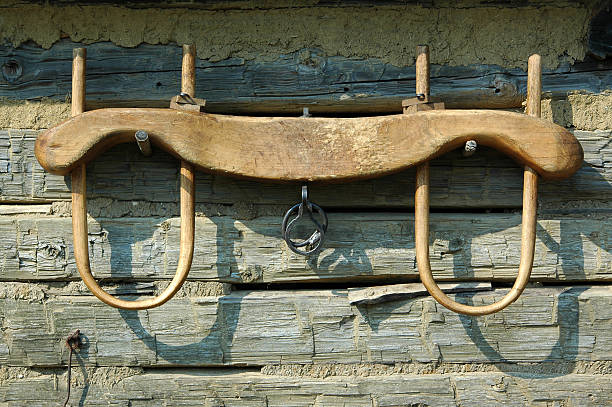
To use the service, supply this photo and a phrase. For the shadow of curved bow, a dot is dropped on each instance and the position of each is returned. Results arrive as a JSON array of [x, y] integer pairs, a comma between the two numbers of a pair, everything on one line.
[[342, 256]]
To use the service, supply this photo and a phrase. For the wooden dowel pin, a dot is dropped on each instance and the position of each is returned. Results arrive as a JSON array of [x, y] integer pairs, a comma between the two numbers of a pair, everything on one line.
[[534, 86], [79, 56], [188, 70], [422, 73], [423, 100]]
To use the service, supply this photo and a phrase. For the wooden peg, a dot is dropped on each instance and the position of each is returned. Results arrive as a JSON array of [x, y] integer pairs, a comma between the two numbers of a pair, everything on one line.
[[534, 86], [79, 56], [187, 100], [422, 73], [188, 84], [423, 100]]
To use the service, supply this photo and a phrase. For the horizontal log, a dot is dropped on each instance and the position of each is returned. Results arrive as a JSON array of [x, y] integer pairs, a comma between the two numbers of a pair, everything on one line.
[[255, 328], [149, 75], [358, 247], [487, 179], [239, 387]]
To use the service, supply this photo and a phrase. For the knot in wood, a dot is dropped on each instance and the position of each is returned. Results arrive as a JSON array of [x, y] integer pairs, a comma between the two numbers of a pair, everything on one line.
[[11, 70]]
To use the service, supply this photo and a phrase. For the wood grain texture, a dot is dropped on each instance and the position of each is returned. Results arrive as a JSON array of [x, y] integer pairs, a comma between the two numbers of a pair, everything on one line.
[[394, 292], [154, 181], [421, 67], [255, 328], [359, 247], [149, 75], [552, 347], [311, 149], [188, 70], [79, 56], [241, 387], [533, 104], [248, 5]]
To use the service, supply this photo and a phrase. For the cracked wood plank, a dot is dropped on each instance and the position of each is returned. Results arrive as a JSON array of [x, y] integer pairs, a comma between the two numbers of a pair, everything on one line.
[[366, 247], [255, 328], [386, 293], [486, 180], [240, 387]]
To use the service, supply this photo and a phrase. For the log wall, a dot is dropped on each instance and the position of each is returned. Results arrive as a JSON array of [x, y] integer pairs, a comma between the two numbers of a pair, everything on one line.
[[257, 325]]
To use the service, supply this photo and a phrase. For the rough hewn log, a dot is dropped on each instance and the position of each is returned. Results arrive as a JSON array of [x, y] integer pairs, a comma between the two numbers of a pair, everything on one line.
[[360, 246], [149, 75], [487, 179], [255, 328], [241, 387]]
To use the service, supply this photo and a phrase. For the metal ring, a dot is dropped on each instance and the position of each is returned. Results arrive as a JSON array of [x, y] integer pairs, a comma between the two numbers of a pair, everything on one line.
[[316, 238]]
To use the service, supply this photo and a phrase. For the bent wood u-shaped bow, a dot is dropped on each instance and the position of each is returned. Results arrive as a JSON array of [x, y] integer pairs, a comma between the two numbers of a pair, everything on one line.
[[294, 149]]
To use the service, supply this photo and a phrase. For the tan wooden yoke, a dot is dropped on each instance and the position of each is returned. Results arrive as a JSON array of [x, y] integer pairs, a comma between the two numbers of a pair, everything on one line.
[[298, 149], [281, 149]]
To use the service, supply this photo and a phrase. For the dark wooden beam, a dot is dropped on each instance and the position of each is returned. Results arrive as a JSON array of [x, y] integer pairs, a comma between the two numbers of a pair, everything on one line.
[[149, 75]]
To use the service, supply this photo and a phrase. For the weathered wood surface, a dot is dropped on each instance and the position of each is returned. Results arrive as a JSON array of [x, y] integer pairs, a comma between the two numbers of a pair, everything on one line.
[[149, 75], [558, 324], [216, 388], [487, 179], [301, 149], [394, 292], [358, 247]]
